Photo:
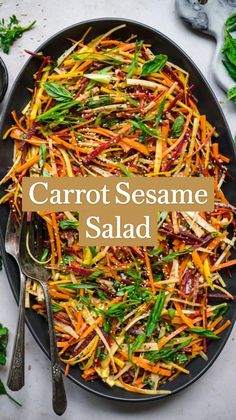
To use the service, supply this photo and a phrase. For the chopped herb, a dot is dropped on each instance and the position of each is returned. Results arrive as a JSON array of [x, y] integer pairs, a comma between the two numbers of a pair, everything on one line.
[[231, 22], [56, 307], [10, 31], [57, 92], [166, 353], [230, 68], [44, 255], [171, 312], [124, 169], [160, 111], [155, 313], [68, 224], [170, 257], [106, 326], [3, 344], [177, 126], [139, 341], [95, 274], [78, 286], [155, 65], [43, 154], [134, 63], [220, 310], [66, 259], [231, 94], [102, 296], [146, 129], [229, 48], [203, 332]]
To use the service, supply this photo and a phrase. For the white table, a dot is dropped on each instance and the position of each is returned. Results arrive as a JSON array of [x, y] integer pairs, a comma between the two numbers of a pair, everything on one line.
[[214, 395]]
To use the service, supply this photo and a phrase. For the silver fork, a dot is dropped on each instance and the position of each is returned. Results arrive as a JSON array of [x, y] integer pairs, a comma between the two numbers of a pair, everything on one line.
[[33, 232], [16, 376]]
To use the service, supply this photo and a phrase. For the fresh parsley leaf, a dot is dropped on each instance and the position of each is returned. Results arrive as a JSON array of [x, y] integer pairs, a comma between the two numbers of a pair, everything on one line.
[[230, 68], [231, 94], [68, 224], [57, 92], [10, 31], [155, 65], [229, 48], [231, 22], [177, 126], [3, 344]]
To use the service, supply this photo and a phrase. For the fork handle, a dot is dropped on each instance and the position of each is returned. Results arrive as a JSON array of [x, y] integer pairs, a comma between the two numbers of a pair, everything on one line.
[[59, 401], [16, 376]]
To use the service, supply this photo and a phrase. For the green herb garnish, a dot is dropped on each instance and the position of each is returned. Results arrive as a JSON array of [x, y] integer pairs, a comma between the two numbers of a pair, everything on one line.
[[177, 126], [68, 224], [146, 129], [160, 111], [203, 332], [155, 65], [155, 313], [57, 92], [139, 341], [10, 31], [43, 154]]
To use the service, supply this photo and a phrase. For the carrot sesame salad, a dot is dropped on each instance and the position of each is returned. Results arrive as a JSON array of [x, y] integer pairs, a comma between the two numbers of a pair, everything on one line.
[[133, 317]]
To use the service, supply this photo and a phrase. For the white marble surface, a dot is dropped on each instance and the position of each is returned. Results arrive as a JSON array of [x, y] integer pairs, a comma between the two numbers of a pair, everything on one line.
[[213, 396]]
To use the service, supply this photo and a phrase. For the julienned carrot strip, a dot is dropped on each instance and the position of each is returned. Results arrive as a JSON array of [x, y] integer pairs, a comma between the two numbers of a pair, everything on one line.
[[67, 369], [213, 324], [135, 145], [223, 265], [91, 327], [203, 128], [37, 306], [223, 327], [144, 364], [184, 318], [163, 341], [28, 164], [88, 372], [197, 261], [59, 295], [149, 271]]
